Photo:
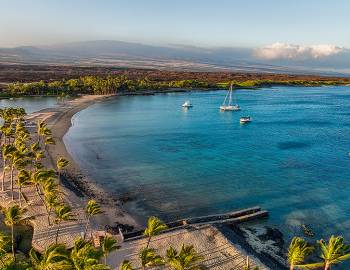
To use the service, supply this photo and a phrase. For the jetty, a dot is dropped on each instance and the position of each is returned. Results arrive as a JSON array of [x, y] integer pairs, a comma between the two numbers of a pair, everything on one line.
[[233, 217], [204, 233]]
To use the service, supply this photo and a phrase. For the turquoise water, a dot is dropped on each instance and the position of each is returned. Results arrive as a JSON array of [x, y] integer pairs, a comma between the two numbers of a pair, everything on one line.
[[292, 159], [30, 104]]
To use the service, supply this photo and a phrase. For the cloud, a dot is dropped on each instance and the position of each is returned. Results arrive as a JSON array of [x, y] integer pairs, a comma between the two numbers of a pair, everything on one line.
[[291, 51]]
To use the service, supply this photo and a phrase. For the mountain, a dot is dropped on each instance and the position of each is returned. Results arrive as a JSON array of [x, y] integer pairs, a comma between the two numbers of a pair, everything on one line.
[[177, 57]]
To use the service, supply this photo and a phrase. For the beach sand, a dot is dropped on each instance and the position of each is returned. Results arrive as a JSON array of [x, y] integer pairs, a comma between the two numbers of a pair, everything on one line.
[[78, 187]]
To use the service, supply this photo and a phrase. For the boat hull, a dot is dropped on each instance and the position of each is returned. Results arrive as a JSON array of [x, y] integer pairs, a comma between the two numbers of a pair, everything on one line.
[[230, 108]]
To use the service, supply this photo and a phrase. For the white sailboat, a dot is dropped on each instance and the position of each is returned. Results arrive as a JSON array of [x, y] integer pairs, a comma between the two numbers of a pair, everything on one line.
[[187, 104], [227, 104]]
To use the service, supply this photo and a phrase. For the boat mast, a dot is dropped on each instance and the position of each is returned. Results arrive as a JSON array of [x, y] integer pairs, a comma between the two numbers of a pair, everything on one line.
[[230, 99]]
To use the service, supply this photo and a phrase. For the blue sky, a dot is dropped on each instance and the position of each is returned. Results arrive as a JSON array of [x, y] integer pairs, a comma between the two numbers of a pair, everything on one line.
[[234, 23]]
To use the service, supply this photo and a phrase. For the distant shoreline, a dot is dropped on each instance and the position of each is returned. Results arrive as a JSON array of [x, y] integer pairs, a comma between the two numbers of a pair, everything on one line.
[[146, 92]]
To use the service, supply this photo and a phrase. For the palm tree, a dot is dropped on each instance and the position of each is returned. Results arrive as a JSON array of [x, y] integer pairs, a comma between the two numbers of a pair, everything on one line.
[[109, 244], [42, 178], [23, 178], [154, 227], [92, 209], [38, 177], [51, 201], [334, 252], [13, 216], [7, 151], [186, 259], [36, 155], [149, 258], [49, 140], [84, 256], [4, 246], [126, 265], [17, 161], [43, 131], [61, 163], [298, 250], [63, 213], [55, 257]]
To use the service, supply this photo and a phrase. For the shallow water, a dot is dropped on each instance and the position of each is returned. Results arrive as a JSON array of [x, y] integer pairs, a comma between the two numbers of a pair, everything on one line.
[[30, 104], [292, 159]]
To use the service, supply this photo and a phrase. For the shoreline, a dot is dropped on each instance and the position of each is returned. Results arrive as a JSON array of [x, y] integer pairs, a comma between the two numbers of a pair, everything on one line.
[[78, 187], [145, 92], [75, 181]]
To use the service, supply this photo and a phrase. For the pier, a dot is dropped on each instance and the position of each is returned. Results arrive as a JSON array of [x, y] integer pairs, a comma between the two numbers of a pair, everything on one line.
[[233, 217]]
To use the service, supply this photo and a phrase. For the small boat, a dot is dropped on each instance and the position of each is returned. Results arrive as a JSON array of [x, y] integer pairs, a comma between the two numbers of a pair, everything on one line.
[[227, 104], [307, 231], [187, 104], [245, 119]]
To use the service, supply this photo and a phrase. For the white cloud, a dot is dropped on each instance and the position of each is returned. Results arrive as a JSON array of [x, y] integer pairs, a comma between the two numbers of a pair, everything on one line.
[[291, 51]]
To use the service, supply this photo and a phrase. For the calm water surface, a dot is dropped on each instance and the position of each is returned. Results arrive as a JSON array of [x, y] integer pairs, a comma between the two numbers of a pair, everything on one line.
[[292, 159], [30, 104]]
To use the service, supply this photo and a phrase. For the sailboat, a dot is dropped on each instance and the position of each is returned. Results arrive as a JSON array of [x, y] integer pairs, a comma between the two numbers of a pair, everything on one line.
[[227, 104]]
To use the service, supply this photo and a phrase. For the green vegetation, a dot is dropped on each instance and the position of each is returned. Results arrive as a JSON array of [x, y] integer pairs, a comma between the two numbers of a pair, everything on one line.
[[114, 84], [332, 252]]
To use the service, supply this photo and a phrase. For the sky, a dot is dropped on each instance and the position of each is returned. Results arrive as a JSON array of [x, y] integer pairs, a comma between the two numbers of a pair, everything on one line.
[[205, 23]]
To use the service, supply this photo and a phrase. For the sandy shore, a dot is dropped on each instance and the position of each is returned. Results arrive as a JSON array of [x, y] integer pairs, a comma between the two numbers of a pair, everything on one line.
[[77, 185]]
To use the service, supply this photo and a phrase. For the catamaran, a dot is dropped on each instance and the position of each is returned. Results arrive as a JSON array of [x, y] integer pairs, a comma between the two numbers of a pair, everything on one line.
[[187, 104], [227, 104]]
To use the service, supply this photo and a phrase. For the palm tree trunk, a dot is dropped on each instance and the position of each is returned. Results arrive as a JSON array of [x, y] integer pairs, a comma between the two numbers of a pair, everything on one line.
[[327, 266], [43, 202], [105, 259], [3, 176], [148, 241], [58, 230], [86, 227], [13, 243], [48, 216], [291, 267], [12, 182], [20, 194]]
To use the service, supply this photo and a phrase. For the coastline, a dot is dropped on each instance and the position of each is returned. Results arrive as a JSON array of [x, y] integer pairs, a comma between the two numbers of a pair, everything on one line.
[[77, 185], [79, 188]]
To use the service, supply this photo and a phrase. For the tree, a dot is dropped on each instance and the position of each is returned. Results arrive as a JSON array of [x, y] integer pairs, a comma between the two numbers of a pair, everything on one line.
[[154, 227], [298, 250], [63, 213], [18, 161], [49, 140], [7, 151], [334, 252], [55, 257], [51, 201], [92, 209], [186, 259], [149, 258], [23, 178], [85, 257], [109, 244], [4, 246], [13, 216], [126, 265], [39, 178], [61, 163]]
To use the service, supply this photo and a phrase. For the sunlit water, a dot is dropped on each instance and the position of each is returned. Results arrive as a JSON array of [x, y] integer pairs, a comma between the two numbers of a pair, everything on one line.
[[30, 104], [292, 159]]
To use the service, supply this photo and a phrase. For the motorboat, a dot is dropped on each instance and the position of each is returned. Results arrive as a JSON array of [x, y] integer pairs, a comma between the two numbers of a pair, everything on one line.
[[245, 119], [187, 104]]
